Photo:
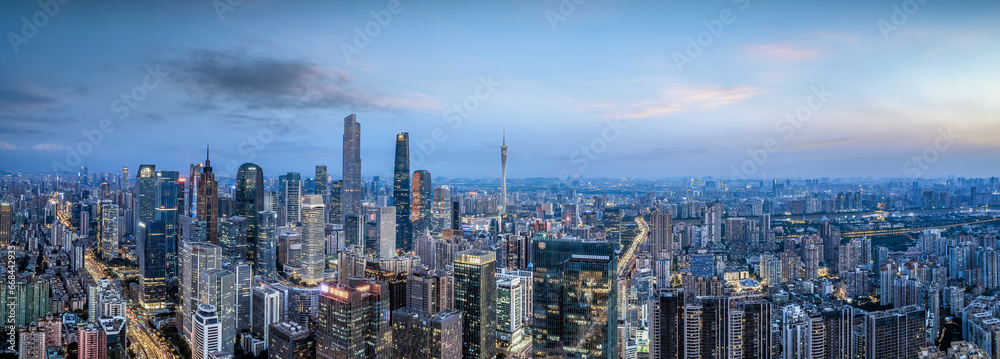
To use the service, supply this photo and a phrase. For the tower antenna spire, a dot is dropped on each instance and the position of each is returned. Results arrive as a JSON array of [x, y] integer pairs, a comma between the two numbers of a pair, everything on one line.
[[504, 135]]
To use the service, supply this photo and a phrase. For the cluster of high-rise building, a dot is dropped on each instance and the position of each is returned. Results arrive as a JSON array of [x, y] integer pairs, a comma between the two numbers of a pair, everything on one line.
[[299, 267]]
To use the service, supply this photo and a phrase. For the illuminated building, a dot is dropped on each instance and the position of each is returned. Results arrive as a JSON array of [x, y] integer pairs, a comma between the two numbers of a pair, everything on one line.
[[401, 193], [31, 342], [114, 336], [293, 198], [430, 291], [423, 194], [388, 235], [218, 288], [152, 267], [167, 193], [196, 258], [206, 332], [108, 239], [145, 182], [575, 299], [266, 244], [92, 342], [351, 194], [321, 183], [476, 298], [353, 320], [313, 239], [289, 340], [6, 223], [208, 201], [267, 309], [249, 202], [420, 335]]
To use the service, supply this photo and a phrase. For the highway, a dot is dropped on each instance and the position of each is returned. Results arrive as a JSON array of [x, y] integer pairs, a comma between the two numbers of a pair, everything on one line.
[[895, 231], [627, 260], [148, 343]]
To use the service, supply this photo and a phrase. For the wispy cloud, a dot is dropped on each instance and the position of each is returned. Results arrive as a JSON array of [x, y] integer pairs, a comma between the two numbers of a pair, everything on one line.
[[48, 147], [688, 99], [6, 146], [779, 51]]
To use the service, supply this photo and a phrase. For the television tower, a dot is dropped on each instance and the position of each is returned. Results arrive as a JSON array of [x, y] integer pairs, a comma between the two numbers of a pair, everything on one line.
[[503, 176]]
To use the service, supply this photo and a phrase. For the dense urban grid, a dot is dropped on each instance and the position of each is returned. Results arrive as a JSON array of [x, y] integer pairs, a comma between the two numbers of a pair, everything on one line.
[[156, 263]]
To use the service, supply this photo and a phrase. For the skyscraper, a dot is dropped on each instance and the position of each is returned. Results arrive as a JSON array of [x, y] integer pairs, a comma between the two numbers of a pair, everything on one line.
[[353, 320], [313, 239], [336, 216], [153, 266], [388, 232], [576, 305], [666, 325], [476, 298], [266, 256], [897, 333], [423, 196], [108, 239], [351, 191], [289, 340], [503, 178], [207, 332], [661, 234], [267, 305], [401, 193], [293, 198], [249, 202], [217, 287], [166, 207], [430, 291], [92, 342], [419, 335], [6, 224], [322, 183], [145, 185], [244, 287], [196, 258], [208, 200]]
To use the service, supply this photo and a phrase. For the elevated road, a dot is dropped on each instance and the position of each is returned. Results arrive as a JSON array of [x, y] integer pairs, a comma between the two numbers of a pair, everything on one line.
[[627, 259]]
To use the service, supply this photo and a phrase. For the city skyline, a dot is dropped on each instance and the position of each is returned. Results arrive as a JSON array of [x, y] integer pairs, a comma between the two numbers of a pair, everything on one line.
[[878, 89]]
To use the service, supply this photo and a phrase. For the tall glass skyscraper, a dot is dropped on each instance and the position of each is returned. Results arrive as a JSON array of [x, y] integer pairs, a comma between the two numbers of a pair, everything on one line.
[[208, 201], [476, 296], [321, 183], [250, 202], [153, 266], [166, 210], [336, 215], [352, 185], [576, 311], [423, 196], [145, 182], [313, 239], [401, 193], [293, 197], [267, 224]]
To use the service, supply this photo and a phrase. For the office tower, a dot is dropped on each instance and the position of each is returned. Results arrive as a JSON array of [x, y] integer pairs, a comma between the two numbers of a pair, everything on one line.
[[6, 224], [475, 297], [322, 183], [293, 198], [84, 177], [302, 304], [208, 200], [335, 205], [289, 340], [503, 176], [419, 335], [250, 188], [423, 196], [456, 217], [267, 309], [233, 238], [92, 343], [31, 342], [124, 185], [666, 325], [512, 292], [114, 336], [313, 239], [266, 256], [145, 186], [218, 288], [153, 266], [661, 234], [353, 320], [196, 258], [401, 193], [165, 210], [575, 299], [244, 287], [351, 194], [207, 332], [429, 290], [108, 240], [387, 232], [897, 333]]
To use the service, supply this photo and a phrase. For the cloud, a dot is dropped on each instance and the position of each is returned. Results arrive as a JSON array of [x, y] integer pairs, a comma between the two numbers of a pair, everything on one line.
[[48, 147], [688, 99], [260, 82], [5, 146], [779, 51]]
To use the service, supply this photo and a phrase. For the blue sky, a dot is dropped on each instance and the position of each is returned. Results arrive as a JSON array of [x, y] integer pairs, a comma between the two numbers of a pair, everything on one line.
[[268, 82]]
